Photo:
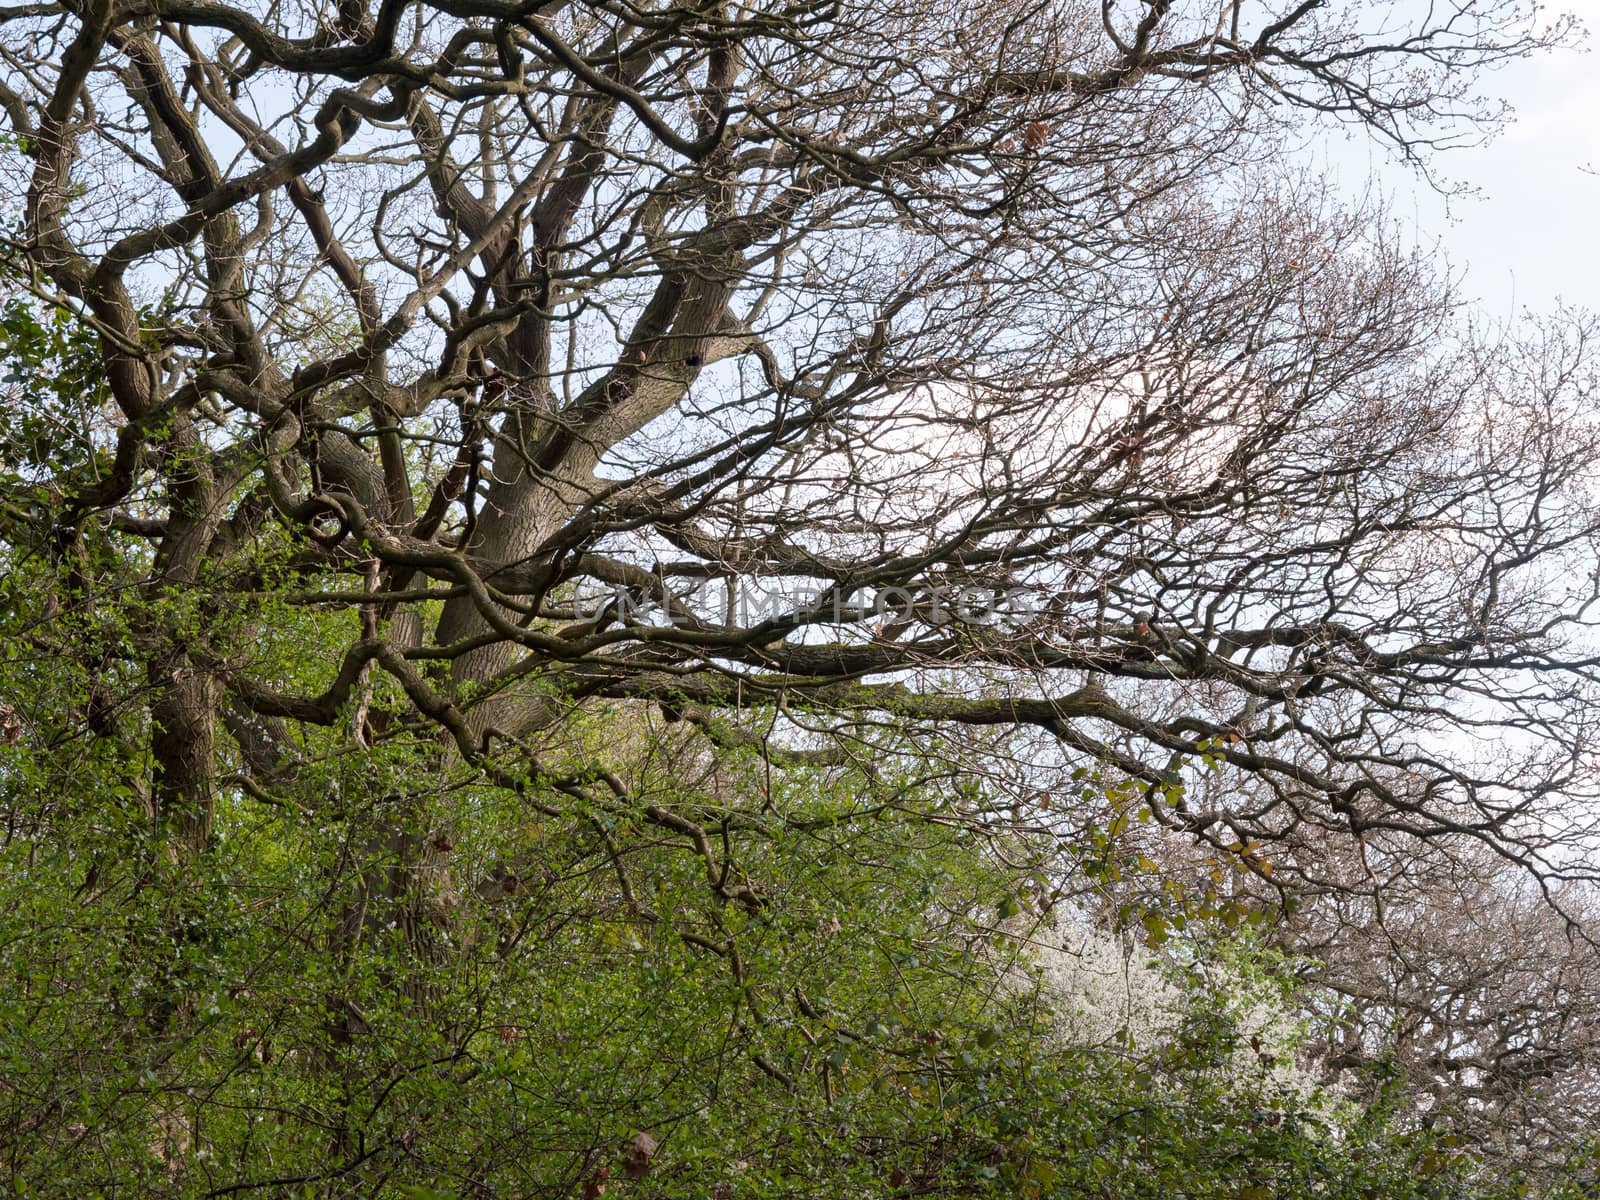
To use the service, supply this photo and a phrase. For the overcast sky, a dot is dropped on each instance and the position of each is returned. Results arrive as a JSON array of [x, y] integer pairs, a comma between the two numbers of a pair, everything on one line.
[[1533, 234]]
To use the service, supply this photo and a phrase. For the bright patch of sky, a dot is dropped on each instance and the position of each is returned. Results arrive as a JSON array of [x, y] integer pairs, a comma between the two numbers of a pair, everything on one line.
[[1530, 235]]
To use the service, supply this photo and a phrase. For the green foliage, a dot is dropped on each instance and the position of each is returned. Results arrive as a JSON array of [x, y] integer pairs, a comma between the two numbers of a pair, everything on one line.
[[391, 975], [269, 1018], [50, 370]]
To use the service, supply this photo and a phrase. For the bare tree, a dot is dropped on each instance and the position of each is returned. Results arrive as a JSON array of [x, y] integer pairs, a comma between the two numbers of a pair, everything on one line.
[[1431, 975], [1444, 970], [1004, 343]]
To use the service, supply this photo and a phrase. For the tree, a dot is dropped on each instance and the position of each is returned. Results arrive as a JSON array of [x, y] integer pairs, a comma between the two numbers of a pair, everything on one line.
[[1435, 972], [1455, 971], [927, 402]]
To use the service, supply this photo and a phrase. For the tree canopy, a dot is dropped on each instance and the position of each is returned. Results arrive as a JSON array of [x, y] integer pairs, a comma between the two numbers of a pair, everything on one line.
[[585, 583]]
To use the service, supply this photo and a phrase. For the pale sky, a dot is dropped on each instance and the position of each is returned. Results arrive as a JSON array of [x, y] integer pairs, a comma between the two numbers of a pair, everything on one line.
[[1533, 234]]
